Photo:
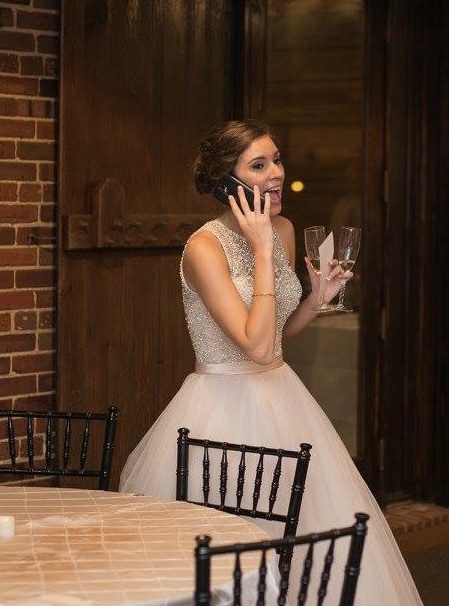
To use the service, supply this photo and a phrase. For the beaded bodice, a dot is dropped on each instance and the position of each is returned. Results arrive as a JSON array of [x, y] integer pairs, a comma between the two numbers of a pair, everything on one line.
[[210, 344]]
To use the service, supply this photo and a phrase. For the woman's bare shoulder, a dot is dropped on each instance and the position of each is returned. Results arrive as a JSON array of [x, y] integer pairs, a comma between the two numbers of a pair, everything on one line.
[[203, 254], [202, 241]]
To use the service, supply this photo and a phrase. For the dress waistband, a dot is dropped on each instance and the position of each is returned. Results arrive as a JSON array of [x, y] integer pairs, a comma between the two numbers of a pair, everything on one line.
[[237, 368]]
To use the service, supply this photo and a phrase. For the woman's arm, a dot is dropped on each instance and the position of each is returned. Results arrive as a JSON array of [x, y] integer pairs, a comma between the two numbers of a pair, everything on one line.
[[304, 313], [207, 272]]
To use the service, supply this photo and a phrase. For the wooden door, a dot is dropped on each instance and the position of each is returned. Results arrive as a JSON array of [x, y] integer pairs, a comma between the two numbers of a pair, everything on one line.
[[404, 383], [141, 82]]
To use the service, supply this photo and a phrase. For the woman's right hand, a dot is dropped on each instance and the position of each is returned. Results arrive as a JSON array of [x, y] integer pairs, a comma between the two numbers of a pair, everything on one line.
[[255, 225]]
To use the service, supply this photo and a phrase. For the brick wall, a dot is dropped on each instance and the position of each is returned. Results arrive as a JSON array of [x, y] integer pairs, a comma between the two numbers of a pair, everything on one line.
[[29, 53]]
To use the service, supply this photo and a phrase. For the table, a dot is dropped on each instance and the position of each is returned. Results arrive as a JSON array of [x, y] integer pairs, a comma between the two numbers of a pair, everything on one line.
[[88, 547]]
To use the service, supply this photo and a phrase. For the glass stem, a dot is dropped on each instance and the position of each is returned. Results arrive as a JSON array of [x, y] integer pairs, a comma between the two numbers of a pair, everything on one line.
[[341, 296]]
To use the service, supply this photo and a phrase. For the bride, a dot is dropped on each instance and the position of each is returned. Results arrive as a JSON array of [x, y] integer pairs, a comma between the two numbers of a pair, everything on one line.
[[241, 299]]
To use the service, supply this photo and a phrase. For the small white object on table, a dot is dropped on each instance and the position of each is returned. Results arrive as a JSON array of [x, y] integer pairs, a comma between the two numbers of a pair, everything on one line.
[[74, 547], [6, 527]]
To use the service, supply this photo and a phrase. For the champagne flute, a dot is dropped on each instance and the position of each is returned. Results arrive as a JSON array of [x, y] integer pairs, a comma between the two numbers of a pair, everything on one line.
[[348, 249], [313, 238]]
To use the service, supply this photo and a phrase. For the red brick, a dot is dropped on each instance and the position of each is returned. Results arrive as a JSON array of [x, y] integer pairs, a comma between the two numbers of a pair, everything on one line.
[[28, 364], [47, 257], [46, 22], [16, 299], [39, 403], [25, 320], [47, 172], [15, 343], [13, 386], [17, 41], [35, 108], [48, 87], [23, 2], [18, 213], [46, 382], [6, 278], [43, 109], [30, 192], [8, 192], [48, 213], [17, 171], [5, 365], [46, 130], [49, 193], [17, 128], [5, 322], [48, 45], [35, 235], [46, 341], [25, 236], [14, 257], [18, 85], [47, 319], [51, 67], [34, 278], [7, 236], [48, 4], [31, 66], [6, 17], [46, 299], [9, 63], [12, 107], [7, 149], [36, 151]]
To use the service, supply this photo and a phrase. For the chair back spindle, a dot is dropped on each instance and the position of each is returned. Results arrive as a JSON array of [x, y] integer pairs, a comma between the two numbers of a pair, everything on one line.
[[241, 479], [66, 446], [85, 443], [30, 442], [11, 441], [223, 476]]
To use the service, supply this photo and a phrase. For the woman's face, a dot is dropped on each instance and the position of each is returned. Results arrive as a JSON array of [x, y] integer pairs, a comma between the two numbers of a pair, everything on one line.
[[260, 164]]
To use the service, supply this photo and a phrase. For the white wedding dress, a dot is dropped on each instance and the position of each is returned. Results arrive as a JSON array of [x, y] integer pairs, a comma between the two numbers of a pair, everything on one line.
[[230, 398]]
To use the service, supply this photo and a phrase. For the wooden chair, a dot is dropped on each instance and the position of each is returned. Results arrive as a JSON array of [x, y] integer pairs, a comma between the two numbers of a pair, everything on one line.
[[58, 443], [349, 573], [258, 510]]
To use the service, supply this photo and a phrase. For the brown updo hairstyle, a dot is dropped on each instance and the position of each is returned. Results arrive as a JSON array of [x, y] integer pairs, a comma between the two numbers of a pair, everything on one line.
[[220, 149]]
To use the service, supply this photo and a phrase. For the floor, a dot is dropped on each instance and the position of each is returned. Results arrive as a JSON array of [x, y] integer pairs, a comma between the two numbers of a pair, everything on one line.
[[422, 533]]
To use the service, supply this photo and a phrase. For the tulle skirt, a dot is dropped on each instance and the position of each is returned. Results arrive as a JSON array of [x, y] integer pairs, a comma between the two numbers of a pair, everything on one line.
[[240, 403]]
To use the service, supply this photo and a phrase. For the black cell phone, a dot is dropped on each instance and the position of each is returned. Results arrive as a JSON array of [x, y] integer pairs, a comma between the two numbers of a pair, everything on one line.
[[228, 187]]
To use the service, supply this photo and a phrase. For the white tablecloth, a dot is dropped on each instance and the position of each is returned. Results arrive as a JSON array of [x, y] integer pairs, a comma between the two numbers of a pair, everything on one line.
[[88, 547]]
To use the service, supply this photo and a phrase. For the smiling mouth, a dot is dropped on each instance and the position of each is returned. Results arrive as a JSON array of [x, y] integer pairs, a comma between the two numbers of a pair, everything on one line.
[[275, 194]]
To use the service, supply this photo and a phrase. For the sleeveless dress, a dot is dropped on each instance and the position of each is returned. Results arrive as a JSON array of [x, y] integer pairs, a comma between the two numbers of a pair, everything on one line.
[[230, 398]]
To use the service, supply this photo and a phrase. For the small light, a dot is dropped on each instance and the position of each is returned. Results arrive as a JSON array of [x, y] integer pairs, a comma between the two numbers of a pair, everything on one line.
[[297, 186]]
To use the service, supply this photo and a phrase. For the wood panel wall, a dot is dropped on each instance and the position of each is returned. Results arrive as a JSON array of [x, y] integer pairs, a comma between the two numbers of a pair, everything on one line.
[[141, 82], [315, 73], [314, 96]]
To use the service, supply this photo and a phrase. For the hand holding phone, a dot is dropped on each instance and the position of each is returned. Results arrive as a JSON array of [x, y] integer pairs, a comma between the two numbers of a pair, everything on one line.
[[228, 187]]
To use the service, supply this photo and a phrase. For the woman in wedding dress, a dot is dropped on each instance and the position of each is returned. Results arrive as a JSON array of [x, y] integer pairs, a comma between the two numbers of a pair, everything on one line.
[[241, 298]]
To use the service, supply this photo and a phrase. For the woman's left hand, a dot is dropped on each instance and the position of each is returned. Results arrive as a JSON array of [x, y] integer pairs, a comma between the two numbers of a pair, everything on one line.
[[333, 283]]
